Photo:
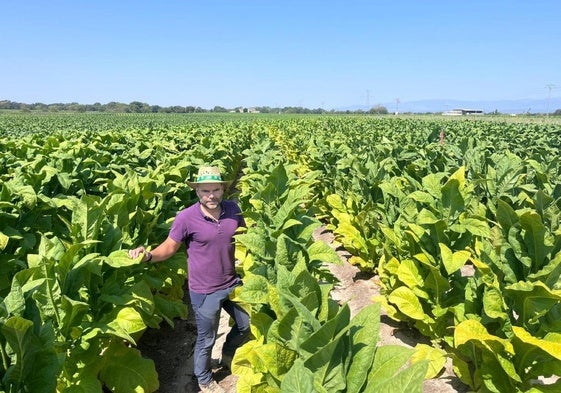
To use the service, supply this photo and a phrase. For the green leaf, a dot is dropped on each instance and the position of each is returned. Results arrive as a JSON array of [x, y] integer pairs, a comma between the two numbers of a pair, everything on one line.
[[409, 379], [453, 261], [472, 330], [534, 238], [421, 196], [127, 323], [298, 379], [32, 352], [534, 353], [531, 300], [120, 258], [265, 358], [432, 184], [328, 365], [364, 332], [406, 301], [451, 195], [255, 290], [291, 330], [409, 273], [436, 358], [493, 303], [327, 332], [388, 360], [126, 371], [506, 215], [426, 217], [253, 241], [496, 352], [475, 226], [72, 312], [322, 252]]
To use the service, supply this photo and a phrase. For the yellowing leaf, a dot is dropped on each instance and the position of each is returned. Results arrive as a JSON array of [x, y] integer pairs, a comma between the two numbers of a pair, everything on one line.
[[453, 261], [407, 303], [435, 356]]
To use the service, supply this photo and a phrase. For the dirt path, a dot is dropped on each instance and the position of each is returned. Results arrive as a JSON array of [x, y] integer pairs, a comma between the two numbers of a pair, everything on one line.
[[172, 348]]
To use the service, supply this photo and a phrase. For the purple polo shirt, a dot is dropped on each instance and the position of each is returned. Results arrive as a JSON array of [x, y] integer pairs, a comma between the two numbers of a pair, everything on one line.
[[210, 246]]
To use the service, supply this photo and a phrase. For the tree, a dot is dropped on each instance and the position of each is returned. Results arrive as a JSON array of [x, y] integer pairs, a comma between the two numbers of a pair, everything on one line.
[[139, 107], [378, 110]]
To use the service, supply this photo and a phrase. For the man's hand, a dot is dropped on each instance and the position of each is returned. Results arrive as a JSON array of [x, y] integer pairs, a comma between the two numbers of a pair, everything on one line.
[[135, 252]]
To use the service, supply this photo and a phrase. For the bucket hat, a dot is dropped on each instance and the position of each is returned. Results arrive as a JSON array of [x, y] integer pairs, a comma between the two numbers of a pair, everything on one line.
[[208, 174]]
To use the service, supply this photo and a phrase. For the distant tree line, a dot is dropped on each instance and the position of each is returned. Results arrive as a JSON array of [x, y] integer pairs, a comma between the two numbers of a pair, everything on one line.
[[141, 107]]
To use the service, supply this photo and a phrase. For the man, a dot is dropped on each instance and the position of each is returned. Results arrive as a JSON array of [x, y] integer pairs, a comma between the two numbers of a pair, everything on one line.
[[207, 229]]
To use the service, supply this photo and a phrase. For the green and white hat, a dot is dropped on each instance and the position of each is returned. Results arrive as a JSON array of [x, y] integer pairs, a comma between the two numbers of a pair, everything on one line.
[[208, 174]]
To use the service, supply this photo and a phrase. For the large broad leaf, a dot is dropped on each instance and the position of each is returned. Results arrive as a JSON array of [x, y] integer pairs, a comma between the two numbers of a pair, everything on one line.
[[14, 302], [494, 304], [120, 258], [452, 191], [435, 357], [535, 355], [123, 322], [298, 379], [471, 336], [287, 251], [72, 313], [271, 358], [329, 365], [168, 308], [302, 306], [407, 302], [306, 286], [389, 372], [322, 252], [130, 320], [25, 192], [327, 332], [475, 226], [532, 300], [36, 365], [254, 290], [126, 371], [254, 243], [506, 215], [550, 275], [453, 261], [291, 330], [286, 212], [409, 380], [364, 331], [432, 184], [534, 237], [409, 273]]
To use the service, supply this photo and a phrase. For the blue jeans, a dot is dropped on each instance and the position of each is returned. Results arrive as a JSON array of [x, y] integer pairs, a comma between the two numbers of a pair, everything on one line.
[[207, 315]]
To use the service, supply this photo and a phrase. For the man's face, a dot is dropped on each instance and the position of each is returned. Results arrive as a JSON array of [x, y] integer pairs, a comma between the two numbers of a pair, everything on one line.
[[210, 195]]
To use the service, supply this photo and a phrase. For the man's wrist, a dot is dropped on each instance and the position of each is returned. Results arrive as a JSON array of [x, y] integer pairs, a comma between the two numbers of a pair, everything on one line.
[[149, 256]]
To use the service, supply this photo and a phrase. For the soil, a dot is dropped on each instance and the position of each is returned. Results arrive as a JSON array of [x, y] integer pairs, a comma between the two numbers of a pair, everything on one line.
[[171, 348]]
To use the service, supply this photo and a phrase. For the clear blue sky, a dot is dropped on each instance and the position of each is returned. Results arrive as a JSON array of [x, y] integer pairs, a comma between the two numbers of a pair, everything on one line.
[[328, 54]]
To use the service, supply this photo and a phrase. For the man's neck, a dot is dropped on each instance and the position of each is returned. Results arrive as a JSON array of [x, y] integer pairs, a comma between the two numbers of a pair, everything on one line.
[[212, 213]]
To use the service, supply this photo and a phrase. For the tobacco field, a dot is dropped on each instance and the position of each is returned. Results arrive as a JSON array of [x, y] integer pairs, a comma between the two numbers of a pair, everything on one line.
[[458, 217]]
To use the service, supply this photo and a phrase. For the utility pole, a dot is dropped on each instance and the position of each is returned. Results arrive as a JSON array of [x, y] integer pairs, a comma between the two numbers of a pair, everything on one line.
[[549, 86], [397, 106], [367, 99]]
